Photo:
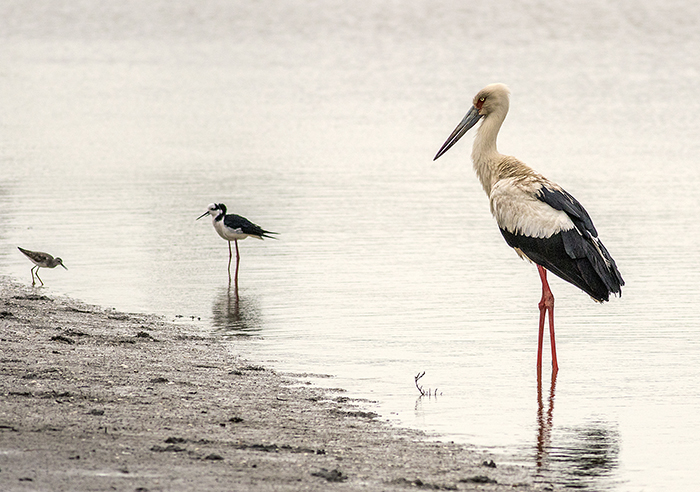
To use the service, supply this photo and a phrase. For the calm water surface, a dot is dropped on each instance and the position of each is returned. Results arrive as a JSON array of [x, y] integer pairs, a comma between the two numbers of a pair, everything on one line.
[[121, 122]]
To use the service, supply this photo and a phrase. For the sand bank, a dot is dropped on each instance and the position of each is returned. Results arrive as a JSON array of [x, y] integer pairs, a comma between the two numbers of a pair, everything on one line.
[[93, 399]]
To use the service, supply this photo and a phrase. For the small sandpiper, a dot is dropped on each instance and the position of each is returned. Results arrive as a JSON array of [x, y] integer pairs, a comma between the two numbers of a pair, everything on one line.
[[41, 260]]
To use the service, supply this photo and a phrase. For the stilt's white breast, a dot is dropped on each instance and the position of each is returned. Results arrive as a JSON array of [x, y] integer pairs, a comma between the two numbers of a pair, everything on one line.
[[517, 210], [228, 233]]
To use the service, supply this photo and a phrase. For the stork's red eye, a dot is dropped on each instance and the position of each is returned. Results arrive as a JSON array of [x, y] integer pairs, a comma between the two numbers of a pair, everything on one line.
[[480, 102]]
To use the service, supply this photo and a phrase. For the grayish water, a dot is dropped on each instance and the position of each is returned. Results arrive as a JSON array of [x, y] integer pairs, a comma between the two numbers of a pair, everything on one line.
[[121, 121]]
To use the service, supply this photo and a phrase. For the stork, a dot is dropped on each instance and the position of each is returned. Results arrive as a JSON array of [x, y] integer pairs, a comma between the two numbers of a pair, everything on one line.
[[536, 216], [233, 227]]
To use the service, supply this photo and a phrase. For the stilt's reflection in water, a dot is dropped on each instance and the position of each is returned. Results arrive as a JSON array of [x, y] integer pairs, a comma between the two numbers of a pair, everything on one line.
[[234, 314], [581, 457]]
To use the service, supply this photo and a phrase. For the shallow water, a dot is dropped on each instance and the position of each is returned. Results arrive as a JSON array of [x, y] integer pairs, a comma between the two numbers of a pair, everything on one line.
[[120, 123]]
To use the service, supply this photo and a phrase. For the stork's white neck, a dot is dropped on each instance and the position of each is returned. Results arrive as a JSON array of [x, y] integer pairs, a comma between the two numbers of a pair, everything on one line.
[[485, 155]]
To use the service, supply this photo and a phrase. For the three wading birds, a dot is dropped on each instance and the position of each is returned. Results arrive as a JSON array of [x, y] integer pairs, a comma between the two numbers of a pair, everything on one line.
[[537, 217]]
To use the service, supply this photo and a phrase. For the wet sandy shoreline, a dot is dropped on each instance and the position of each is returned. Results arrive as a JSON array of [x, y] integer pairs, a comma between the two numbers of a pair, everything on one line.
[[94, 399]]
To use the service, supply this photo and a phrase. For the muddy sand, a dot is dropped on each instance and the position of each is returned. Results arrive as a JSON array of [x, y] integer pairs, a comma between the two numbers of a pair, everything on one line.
[[92, 399]]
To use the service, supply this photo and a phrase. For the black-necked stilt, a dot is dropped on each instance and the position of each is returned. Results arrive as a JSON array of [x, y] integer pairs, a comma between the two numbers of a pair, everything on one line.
[[41, 260], [537, 217], [233, 227]]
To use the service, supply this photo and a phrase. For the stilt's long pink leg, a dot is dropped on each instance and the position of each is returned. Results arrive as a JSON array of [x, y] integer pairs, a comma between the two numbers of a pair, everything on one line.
[[238, 261], [230, 255]]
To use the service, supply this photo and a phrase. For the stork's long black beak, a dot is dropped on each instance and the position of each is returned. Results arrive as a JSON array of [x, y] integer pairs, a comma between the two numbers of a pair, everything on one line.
[[203, 215], [471, 118]]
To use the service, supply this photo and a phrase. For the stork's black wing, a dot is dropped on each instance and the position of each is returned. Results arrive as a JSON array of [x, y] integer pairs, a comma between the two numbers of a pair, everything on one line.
[[576, 255]]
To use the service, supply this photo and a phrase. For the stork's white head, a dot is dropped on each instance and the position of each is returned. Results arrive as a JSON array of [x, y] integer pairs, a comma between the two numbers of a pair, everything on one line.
[[492, 98], [215, 210]]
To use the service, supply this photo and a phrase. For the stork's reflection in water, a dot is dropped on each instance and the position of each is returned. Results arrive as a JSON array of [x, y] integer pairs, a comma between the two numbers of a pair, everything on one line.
[[581, 457], [544, 419]]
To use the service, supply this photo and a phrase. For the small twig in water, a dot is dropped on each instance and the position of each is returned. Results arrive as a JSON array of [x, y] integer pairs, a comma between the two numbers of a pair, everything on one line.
[[420, 388], [423, 392]]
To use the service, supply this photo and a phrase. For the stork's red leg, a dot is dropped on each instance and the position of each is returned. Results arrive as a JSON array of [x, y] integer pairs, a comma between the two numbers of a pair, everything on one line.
[[546, 304], [540, 338], [555, 364]]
